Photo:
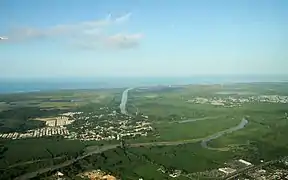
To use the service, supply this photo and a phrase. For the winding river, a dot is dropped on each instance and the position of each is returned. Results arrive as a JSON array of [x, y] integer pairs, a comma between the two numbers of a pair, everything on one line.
[[124, 101], [204, 142], [241, 125]]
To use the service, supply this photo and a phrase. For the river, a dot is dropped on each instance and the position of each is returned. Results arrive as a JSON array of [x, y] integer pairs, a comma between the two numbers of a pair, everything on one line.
[[124, 101], [109, 147], [241, 125]]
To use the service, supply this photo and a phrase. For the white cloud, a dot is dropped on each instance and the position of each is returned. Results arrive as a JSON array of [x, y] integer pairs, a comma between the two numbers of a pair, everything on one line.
[[63, 29], [123, 41], [3, 38], [86, 34], [123, 18], [118, 41]]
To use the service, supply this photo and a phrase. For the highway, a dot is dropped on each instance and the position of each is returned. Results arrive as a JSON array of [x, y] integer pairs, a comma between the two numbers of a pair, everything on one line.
[[100, 150], [164, 143], [97, 151], [194, 120], [110, 147], [66, 163], [249, 168], [34, 161]]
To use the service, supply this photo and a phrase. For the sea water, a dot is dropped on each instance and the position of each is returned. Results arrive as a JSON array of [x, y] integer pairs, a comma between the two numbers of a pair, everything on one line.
[[30, 85]]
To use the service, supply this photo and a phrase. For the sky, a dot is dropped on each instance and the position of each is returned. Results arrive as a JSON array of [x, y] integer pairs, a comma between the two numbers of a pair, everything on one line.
[[131, 38]]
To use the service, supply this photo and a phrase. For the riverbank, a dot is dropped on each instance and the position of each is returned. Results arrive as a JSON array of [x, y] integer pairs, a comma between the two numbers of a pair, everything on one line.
[[124, 101], [241, 125]]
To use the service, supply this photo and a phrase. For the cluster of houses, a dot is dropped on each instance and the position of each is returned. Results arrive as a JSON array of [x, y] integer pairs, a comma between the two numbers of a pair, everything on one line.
[[232, 101], [37, 133], [90, 126], [232, 167], [93, 128], [61, 120], [55, 126]]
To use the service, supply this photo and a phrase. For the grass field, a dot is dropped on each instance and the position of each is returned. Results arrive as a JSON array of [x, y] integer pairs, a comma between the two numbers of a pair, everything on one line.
[[57, 99], [188, 157], [17, 112], [122, 164], [264, 137], [193, 130], [135, 163], [33, 149], [171, 115]]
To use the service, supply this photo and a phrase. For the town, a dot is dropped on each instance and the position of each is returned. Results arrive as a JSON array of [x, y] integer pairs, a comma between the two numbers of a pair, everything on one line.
[[37, 133], [243, 170], [89, 126], [54, 126], [108, 125], [232, 101]]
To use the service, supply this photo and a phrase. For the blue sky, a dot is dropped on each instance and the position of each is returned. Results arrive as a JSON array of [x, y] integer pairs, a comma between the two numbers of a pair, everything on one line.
[[96, 38]]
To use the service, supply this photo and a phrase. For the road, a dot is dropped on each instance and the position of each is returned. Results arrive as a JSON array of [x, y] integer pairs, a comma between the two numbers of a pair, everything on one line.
[[165, 143], [249, 168], [124, 101], [110, 147], [241, 125], [66, 163], [100, 150], [194, 120], [97, 151], [34, 161]]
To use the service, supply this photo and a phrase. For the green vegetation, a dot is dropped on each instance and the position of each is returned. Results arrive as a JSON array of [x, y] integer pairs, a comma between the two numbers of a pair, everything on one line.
[[17, 114], [13, 172], [120, 163], [146, 162], [18, 155], [19, 119], [187, 157], [194, 130], [17, 110], [174, 118], [40, 148], [64, 99]]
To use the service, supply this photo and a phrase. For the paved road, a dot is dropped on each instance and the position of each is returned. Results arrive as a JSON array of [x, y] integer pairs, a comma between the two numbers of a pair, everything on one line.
[[109, 147], [66, 163], [249, 168], [194, 120], [241, 125], [100, 150], [124, 101], [164, 143], [34, 161]]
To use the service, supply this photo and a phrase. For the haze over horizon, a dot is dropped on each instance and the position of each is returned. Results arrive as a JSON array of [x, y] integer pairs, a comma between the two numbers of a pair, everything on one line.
[[72, 38]]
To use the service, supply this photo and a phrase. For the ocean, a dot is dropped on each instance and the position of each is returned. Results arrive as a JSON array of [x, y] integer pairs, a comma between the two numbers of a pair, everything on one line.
[[30, 85]]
